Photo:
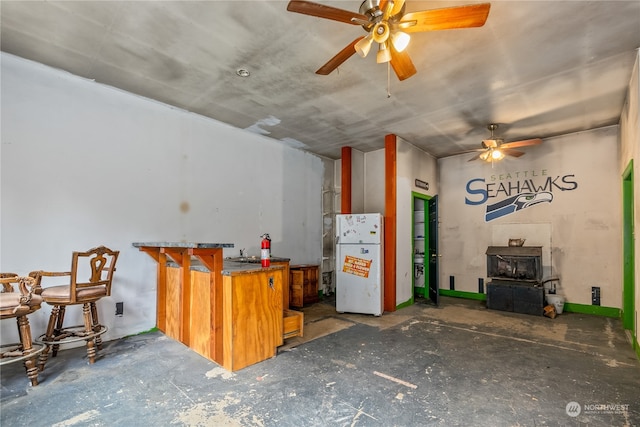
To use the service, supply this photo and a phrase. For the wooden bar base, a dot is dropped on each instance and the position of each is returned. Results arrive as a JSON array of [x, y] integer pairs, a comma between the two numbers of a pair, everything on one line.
[[235, 317]]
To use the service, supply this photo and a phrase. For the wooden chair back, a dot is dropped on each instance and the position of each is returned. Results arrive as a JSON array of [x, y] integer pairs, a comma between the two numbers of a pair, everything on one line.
[[90, 271], [93, 268], [19, 300], [6, 286]]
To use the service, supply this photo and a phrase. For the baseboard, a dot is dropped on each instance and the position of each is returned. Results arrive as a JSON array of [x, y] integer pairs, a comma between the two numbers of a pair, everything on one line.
[[148, 331], [572, 307], [407, 303], [568, 306], [463, 294]]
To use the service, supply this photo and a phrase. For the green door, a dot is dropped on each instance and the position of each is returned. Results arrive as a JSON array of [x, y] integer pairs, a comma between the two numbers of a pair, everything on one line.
[[628, 293], [425, 247], [420, 265], [434, 286]]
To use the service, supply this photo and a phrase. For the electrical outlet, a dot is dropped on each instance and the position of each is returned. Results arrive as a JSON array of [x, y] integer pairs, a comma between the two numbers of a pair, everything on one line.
[[119, 308]]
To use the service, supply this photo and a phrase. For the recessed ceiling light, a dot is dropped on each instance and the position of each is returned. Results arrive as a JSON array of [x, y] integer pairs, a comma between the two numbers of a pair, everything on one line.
[[242, 72]]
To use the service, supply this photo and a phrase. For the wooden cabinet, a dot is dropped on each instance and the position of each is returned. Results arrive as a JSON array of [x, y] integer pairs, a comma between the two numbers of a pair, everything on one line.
[[252, 317], [303, 285]]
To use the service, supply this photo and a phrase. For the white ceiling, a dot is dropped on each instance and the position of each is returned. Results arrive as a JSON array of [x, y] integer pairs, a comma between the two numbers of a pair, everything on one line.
[[538, 68]]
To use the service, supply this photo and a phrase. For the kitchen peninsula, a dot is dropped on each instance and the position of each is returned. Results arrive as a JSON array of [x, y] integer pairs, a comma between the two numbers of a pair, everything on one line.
[[227, 311]]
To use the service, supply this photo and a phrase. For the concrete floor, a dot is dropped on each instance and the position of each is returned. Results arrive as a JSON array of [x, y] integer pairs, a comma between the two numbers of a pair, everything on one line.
[[456, 365]]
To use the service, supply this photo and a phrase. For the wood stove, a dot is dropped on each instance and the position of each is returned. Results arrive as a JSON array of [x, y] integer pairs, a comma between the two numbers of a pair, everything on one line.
[[516, 279]]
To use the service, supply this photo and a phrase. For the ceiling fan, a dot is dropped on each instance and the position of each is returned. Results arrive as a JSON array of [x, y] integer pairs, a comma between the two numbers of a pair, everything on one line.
[[494, 148], [387, 24]]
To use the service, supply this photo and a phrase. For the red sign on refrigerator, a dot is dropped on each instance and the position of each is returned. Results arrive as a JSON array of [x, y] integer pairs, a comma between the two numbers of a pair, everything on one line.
[[356, 266]]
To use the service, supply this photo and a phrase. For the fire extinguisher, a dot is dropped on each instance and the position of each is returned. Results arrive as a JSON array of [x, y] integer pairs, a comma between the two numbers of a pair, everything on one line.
[[265, 250]]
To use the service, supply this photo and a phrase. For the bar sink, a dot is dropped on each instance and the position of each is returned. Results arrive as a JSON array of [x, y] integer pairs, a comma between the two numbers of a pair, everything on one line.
[[243, 259]]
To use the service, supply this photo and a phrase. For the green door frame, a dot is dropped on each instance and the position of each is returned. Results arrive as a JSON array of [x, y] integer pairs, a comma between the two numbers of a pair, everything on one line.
[[628, 255], [425, 199]]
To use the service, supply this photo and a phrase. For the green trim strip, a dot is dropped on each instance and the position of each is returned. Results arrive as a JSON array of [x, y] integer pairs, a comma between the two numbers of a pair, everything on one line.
[[148, 331], [568, 307], [572, 307], [405, 304], [462, 294]]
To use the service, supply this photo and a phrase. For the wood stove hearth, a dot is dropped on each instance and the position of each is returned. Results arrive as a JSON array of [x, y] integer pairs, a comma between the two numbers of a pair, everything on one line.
[[516, 279]]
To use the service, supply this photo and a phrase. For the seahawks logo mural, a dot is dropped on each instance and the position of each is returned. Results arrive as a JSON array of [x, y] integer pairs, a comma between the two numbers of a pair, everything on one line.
[[516, 203], [515, 191]]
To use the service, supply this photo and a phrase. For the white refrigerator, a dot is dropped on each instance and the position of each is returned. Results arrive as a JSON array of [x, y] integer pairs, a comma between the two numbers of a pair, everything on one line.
[[359, 264]]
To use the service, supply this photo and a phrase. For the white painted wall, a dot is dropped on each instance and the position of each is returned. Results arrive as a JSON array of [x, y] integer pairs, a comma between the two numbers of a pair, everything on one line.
[[580, 228], [630, 149], [412, 163], [83, 164]]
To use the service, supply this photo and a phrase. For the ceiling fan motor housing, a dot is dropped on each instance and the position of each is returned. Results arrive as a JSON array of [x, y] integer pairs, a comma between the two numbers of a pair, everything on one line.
[[371, 8]]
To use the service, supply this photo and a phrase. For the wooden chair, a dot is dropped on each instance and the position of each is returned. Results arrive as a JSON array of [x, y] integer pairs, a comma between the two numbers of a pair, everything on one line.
[[98, 264], [18, 304]]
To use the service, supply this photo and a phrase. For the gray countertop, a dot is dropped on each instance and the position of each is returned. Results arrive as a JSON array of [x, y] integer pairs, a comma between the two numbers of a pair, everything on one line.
[[233, 268], [193, 245], [255, 259], [229, 268]]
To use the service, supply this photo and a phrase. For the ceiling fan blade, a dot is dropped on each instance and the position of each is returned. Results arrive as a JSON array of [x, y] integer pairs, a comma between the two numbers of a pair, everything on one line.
[[327, 12], [491, 143], [337, 60], [473, 150], [510, 152], [445, 19], [397, 6], [523, 143], [401, 63], [476, 157]]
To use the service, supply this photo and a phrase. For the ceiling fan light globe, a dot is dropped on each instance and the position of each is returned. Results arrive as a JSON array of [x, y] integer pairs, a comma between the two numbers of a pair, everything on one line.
[[364, 46], [384, 54], [497, 155], [400, 40], [380, 32]]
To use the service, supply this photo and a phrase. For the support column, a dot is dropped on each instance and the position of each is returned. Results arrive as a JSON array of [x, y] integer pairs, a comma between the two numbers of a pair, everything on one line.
[[390, 213], [345, 195]]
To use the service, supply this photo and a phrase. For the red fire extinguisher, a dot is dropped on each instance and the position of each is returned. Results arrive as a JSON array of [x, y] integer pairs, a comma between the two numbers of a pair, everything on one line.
[[265, 250]]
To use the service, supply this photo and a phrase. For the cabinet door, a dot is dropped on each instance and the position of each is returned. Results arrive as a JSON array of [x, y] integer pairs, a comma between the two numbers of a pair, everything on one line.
[[310, 285], [296, 288], [253, 318]]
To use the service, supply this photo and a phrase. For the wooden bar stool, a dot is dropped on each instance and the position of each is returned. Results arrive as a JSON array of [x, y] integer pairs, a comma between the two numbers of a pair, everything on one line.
[[98, 264], [18, 304]]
